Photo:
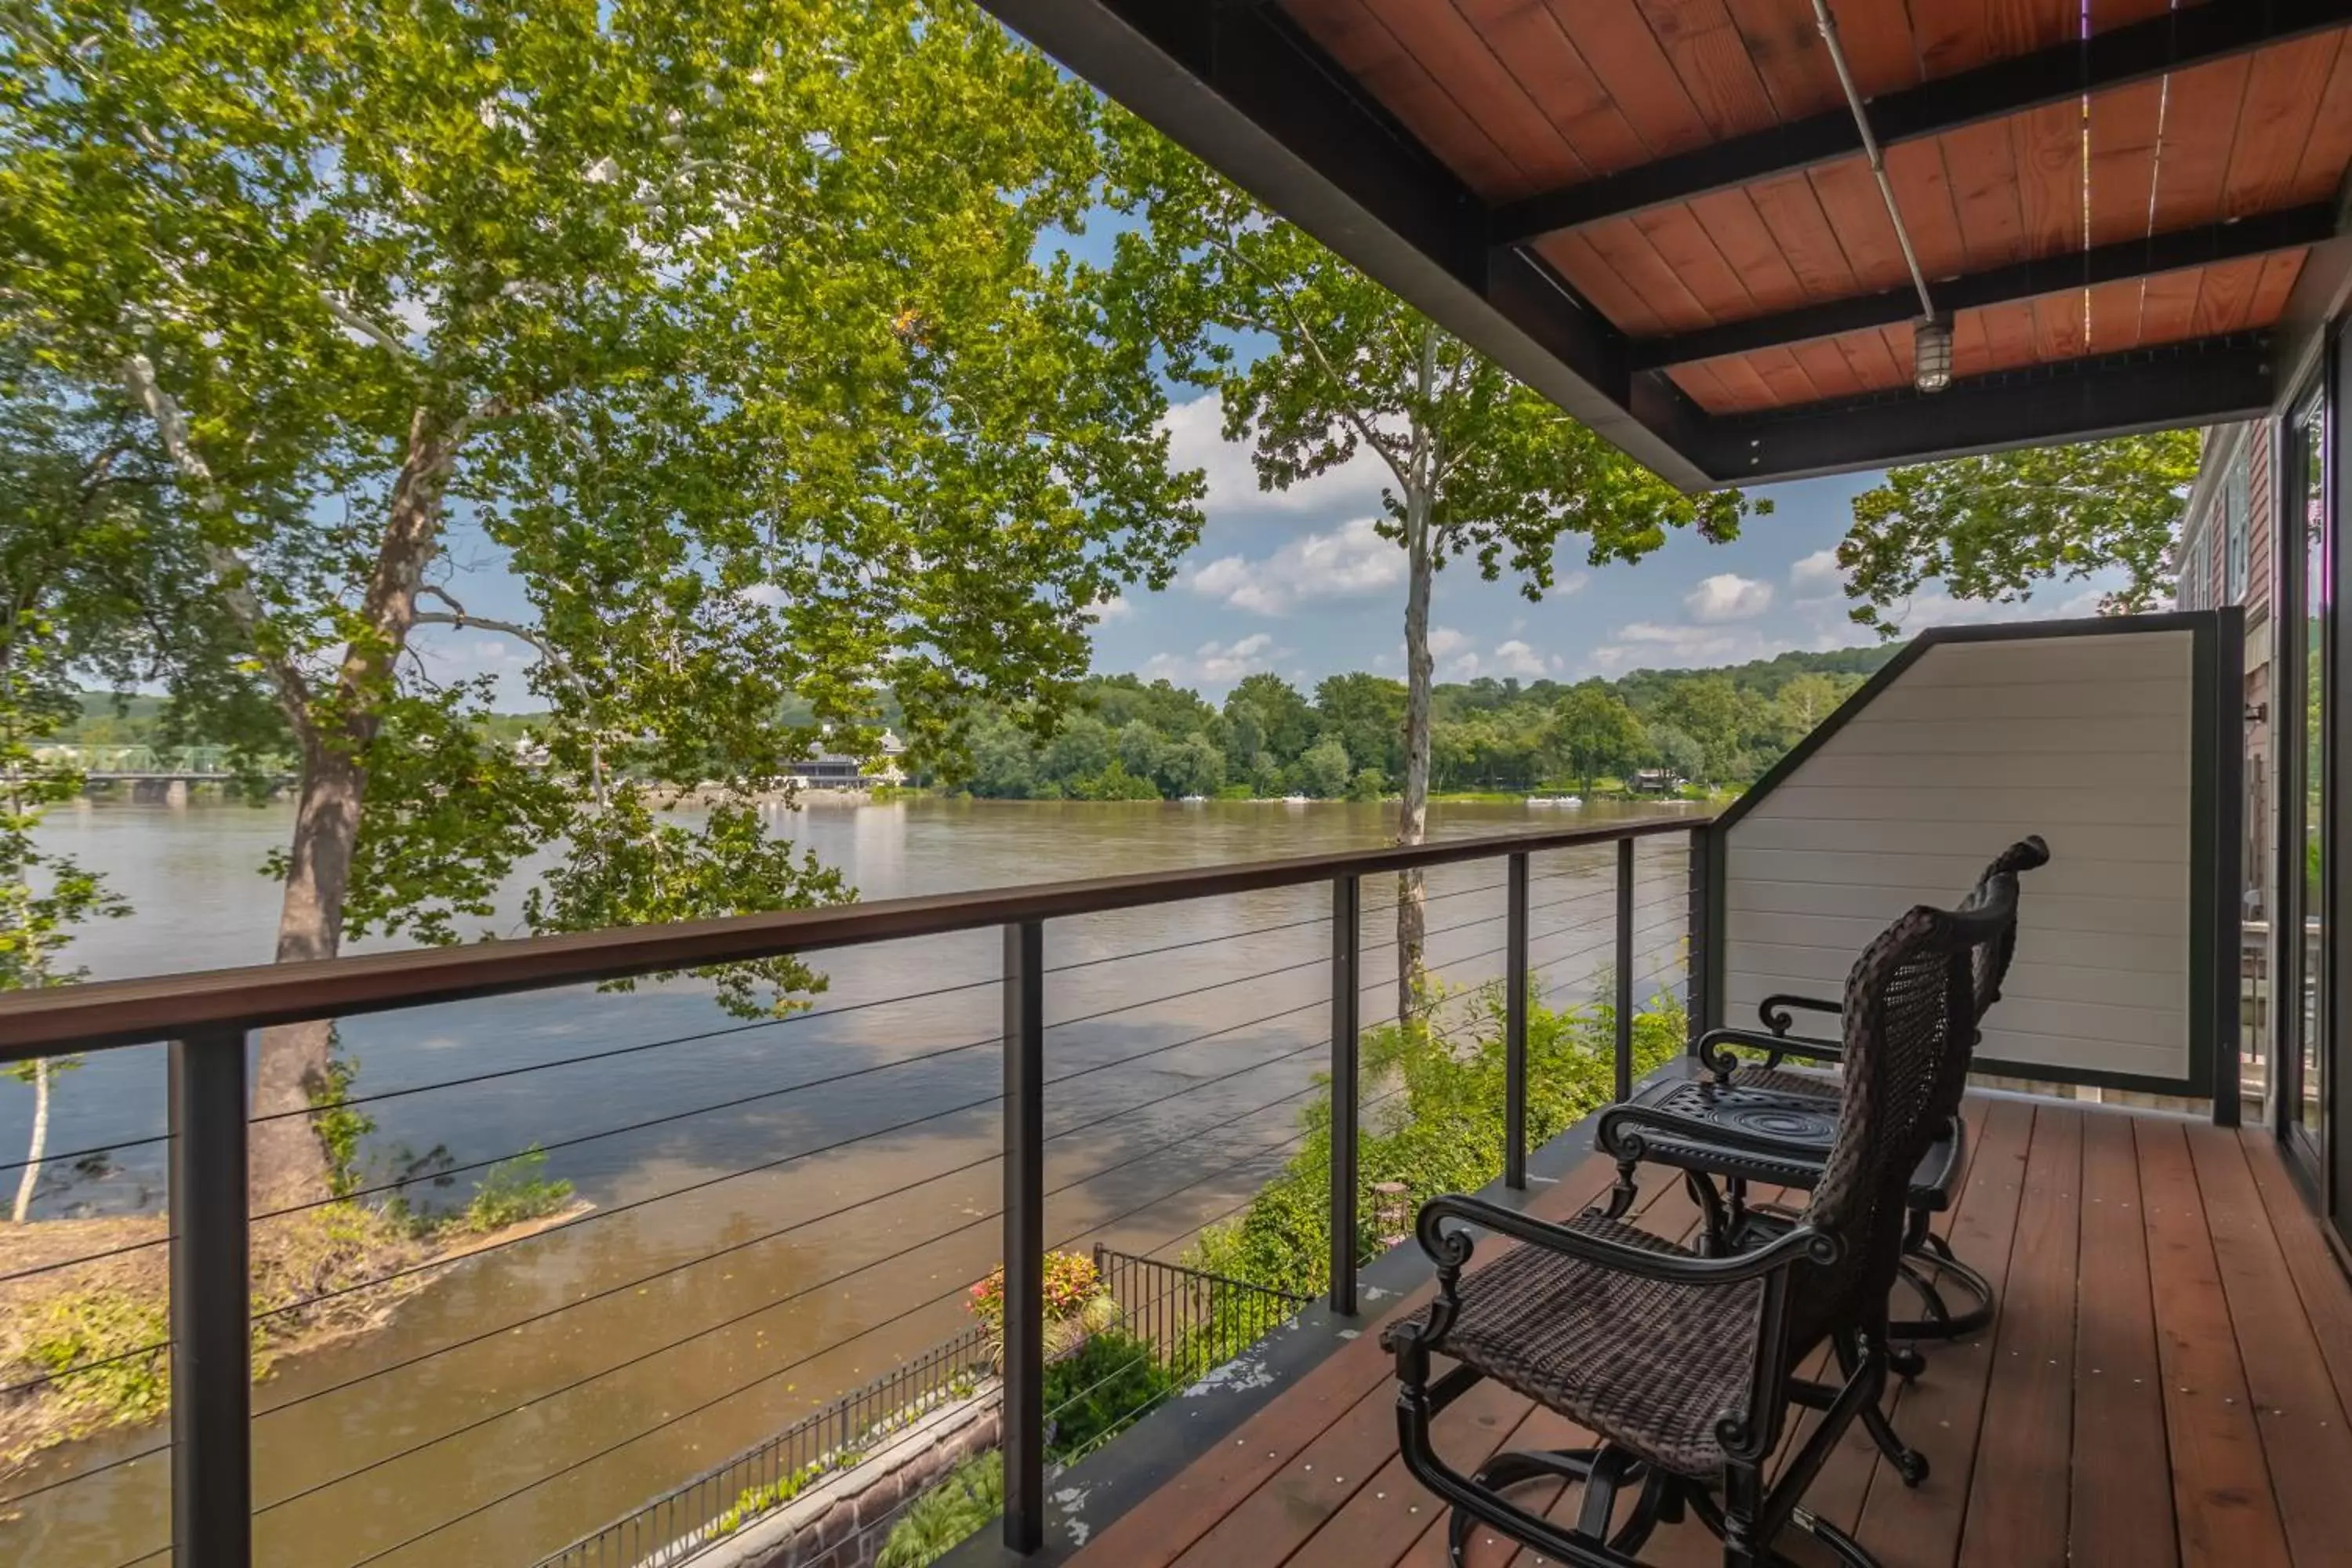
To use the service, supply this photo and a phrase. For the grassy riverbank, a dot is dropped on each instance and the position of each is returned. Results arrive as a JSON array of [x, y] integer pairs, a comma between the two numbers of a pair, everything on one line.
[[85, 1307]]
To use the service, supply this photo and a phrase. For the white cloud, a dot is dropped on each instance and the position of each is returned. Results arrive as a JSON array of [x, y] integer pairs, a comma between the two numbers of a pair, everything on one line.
[[1348, 561], [1816, 576], [1728, 596], [1196, 440], [1566, 584], [1111, 609], [767, 593], [1654, 645], [1516, 657], [1444, 640], [1215, 664]]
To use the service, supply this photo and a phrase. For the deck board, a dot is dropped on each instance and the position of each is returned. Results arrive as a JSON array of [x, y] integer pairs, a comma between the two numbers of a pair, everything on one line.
[[2169, 1383]]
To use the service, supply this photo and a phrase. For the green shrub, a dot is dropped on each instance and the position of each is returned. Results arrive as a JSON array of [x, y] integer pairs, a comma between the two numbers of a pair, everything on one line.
[[958, 1506], [1446, 1133], [1107, 1384], [513, 1191]]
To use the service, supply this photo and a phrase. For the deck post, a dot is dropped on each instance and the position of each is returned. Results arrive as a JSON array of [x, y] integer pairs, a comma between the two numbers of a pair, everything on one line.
[[1024, 1412], [1515, 1026], [1347, 913], [212, 1344], [1624, 1089]]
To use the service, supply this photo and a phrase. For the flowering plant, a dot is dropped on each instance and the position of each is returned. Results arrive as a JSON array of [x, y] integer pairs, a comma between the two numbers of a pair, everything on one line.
[[1076, 1304]]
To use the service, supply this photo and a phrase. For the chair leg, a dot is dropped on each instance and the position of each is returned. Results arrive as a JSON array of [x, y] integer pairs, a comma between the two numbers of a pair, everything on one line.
[[1843, 1547], [1909, 1462], [1928, 1268], [1620, 1195]]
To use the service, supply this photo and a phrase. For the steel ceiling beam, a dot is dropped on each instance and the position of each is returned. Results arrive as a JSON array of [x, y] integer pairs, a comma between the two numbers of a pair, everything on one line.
[[2265, 234], [2174, 41]]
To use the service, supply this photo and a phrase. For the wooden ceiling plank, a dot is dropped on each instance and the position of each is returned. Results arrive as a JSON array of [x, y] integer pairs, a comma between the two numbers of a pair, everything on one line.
[[1613, 38], [1896, 342], [1450, 51], [1849, 198], [1873, 363], [1785, 42], [2123, 160], [2193, 163], [2284, 90], [1880, 48], [1683, 244], [2115, 316], [1356, 39], [1982, 163], [1954, 35], [2047, 145], [2223, 294], [2060, 328], [1627, 250], [2008, 339], [2017, 26], [2168, 304], [1571, 255], [1738, 232], [2321, 169], [1711, 58], [2277, 281], [1923, 193], [1793, 213], [1526, 37], [1700, 384], [1741, 384], [2107, 13], [1784, 375], [1828, 369]]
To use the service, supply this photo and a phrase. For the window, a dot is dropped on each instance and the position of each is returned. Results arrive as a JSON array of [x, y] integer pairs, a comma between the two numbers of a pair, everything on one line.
[[2234, 524], [2194, 572]]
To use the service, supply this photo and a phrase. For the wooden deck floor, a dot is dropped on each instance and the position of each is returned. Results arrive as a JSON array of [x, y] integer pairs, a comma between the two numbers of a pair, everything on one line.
[[2168, 1382]]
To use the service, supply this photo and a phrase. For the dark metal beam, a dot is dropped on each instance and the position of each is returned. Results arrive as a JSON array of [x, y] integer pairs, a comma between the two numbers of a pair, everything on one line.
[[1242, 89], [2173, 41], [2205, 380], [2257, 235]]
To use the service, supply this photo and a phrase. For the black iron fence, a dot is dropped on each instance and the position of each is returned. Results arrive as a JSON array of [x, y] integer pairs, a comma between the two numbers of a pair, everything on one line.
[[1218, 1105]]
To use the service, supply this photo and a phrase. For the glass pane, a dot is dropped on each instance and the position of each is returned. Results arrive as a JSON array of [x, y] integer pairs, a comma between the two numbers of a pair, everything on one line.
[[2311, 1012]]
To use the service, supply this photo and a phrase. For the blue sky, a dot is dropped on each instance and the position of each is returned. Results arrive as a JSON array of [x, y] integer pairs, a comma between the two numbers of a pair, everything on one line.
[[1299, 584]]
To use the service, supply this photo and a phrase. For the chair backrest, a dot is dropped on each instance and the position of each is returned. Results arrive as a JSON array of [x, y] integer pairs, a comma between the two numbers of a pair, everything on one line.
[[1989, 964], [1910, 1018]]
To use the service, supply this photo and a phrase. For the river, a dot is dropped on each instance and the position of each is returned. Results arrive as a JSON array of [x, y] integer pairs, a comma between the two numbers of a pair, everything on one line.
[[853, 1229]]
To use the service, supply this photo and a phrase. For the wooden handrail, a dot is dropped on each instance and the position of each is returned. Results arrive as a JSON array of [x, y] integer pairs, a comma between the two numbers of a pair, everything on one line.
[[131, 1011]]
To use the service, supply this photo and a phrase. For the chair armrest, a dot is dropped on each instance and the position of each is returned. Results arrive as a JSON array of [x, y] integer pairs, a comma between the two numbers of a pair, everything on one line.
[[1709, 1135], [1778, 1012], [1775, 1047], [1451, 1249]]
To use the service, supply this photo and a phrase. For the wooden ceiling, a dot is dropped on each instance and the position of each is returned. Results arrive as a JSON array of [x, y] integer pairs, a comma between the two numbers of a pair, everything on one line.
[[1521, 98], [1659, 212]]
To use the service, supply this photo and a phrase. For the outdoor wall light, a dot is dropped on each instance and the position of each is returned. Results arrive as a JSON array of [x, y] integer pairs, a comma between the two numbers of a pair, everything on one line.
[[1931, 353]]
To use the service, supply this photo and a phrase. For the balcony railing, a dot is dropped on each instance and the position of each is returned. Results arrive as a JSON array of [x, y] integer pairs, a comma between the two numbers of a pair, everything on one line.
[[1611, 908]]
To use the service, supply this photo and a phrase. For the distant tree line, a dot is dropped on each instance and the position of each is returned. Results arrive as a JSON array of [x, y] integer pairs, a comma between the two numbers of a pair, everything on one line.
[[1130, 740]]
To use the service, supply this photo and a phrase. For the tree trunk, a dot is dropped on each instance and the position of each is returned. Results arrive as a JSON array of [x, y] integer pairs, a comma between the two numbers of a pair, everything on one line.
[[1413, 810], [41, 1143], [289, 1163]]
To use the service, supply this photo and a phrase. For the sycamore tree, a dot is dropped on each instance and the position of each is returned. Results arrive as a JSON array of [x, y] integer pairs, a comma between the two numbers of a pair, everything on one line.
[[1997, 526], [735, 334], [1316, 365]]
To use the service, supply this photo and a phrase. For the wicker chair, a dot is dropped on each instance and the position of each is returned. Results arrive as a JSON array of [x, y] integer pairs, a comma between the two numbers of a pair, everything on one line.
[[1683, 1364], [1763, 1122]]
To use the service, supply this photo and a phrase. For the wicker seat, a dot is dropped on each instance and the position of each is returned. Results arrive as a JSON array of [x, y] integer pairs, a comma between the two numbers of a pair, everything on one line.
[[1682, 1363]]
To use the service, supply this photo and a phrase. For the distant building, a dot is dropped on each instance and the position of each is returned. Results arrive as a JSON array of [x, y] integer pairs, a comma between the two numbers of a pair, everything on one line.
[[832, 770], [1657, 780]]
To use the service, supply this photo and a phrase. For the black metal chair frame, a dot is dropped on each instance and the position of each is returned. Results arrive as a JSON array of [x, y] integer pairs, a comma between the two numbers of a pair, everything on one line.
[[1748, 1515]]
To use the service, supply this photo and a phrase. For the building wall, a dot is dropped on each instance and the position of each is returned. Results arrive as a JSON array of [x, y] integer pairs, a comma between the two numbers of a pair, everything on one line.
[[2084, 740]]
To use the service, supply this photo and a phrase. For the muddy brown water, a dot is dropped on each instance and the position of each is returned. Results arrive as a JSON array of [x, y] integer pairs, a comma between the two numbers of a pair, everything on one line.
[[744, 1265]]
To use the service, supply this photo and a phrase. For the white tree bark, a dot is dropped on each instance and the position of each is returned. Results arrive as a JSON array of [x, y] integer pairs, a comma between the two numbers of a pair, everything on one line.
[[41, 1142]]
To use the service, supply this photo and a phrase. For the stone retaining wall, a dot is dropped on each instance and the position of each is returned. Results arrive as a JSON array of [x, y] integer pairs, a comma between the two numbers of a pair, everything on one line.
[[843, 1521]]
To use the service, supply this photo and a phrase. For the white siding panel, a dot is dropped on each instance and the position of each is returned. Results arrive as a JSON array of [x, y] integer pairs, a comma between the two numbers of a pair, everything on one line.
[[2084, 740]]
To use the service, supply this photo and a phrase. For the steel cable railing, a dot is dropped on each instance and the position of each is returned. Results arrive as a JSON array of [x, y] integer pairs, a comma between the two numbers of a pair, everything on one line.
[[1167, 1127]]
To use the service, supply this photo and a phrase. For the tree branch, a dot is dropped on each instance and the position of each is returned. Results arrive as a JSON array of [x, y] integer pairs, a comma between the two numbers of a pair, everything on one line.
[[457, 616], [229, 569]]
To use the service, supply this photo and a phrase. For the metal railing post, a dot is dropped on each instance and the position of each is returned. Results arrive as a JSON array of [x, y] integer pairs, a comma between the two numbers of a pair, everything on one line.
[[1624, 969], [1699, 994], [1023, 1413], [1346, 913], [1515, 1025], [212, 1329]]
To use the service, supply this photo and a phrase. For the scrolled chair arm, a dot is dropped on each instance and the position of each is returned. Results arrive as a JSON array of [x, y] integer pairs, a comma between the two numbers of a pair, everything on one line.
[[1721, 1063], [1451, 1249], [1621, 1135], [1779, 1011]]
